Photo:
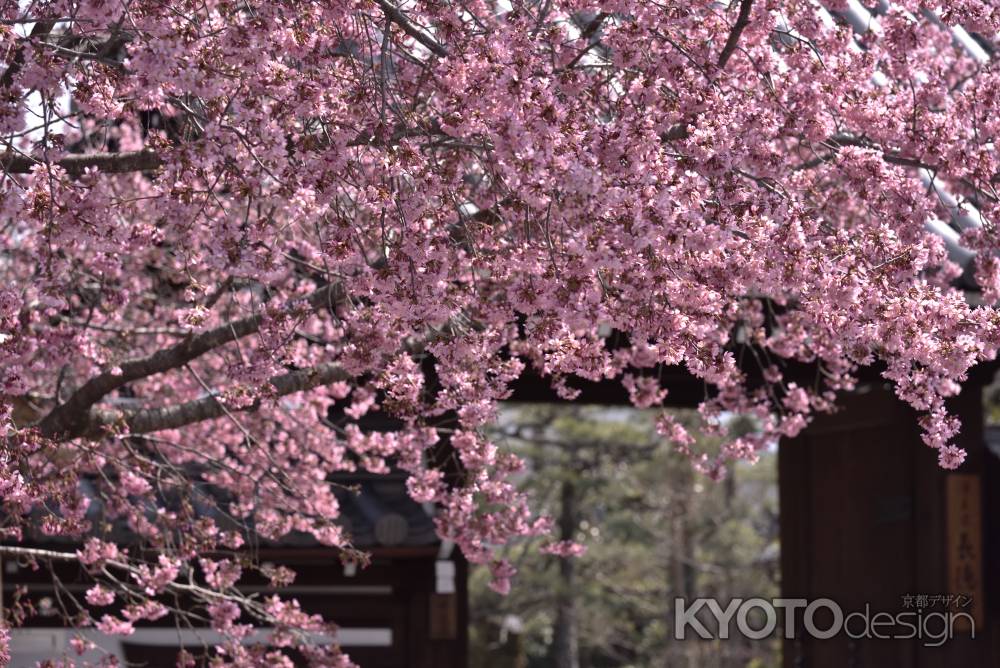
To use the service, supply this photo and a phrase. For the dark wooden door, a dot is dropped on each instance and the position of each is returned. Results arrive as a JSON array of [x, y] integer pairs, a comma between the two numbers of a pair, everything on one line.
[[863, 523]]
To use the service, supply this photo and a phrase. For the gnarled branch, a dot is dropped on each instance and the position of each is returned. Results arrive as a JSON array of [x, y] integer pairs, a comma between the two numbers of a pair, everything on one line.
[[71, 418], [210, 407]]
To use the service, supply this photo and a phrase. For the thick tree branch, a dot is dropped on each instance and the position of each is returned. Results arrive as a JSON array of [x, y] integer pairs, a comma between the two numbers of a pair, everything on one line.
[[145, 160], [35, 553], [208, 408], [96, 422], [113, 163], [71, 417], [742, 21], [41, 29], [679, 131], [588, 31]]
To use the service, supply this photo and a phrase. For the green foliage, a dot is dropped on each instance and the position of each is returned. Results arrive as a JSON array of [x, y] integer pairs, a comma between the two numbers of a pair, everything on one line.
[[653, 529]]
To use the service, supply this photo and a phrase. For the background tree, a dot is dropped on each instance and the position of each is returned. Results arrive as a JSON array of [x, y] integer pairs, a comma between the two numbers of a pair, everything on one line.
[[653, 531]]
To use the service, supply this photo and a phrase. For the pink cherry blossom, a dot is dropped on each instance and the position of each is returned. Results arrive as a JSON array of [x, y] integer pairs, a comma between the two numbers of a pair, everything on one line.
[[247, 252], [502, 571], [114, 626], [565, 549], [99, 596]]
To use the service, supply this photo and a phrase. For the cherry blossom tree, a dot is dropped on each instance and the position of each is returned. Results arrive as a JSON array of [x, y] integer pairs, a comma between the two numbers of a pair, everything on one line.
[[222, 217]]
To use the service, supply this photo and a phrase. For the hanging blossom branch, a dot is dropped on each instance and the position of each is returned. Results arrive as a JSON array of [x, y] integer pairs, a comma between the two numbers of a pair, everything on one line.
[[890, 156], [150, 590]]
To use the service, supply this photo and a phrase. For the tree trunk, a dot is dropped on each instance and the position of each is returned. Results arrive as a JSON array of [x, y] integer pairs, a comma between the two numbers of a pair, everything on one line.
[[680, 571], [565, 640]]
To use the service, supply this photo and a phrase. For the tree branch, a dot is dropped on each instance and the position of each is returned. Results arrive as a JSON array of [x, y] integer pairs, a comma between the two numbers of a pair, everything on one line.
[[113, 163], [41, 29], [400, 19], [587, 33], [35, 553], [71, 417], [891, 157], [679, 131], [146, 160], [742, 21], [208, 408]]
